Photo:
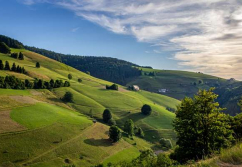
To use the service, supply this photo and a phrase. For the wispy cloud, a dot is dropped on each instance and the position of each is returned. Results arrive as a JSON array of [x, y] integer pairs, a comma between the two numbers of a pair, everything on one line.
[[205, 34], [75, 29]]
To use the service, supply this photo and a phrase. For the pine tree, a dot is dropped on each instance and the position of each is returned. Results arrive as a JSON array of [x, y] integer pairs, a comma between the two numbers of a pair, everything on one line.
[[106, 115], [37, 65], [1, 65], [14, 68], [21, 56], [7, 67]]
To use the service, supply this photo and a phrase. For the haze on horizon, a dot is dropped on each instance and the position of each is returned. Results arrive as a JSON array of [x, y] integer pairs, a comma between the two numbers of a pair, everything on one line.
[[202, 35]]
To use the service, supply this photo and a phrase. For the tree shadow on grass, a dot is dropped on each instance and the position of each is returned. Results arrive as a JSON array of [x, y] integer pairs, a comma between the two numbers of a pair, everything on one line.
[[98, 142], [134, 116], [55, 99]]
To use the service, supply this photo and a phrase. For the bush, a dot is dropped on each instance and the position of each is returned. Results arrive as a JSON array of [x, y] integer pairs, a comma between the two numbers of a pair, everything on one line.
[[163, 160], [140, 132], [112, 87], [111, 122], [165, 143], [146, 109], [69, 76], [79, 80], [68, 97]]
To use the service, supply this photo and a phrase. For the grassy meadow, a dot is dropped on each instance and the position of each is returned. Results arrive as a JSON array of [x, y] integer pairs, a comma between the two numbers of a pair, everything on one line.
[[41, 130]]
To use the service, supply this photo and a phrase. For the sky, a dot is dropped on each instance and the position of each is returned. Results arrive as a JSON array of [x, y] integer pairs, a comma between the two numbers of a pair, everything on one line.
[[201, 36]]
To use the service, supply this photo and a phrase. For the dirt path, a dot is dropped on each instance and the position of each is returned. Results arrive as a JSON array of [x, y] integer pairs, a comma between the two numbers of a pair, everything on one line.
[[60, 145]]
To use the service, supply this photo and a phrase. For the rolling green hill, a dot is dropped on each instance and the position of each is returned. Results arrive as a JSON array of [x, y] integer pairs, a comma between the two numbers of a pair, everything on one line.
[[38, 129], [179, 84]]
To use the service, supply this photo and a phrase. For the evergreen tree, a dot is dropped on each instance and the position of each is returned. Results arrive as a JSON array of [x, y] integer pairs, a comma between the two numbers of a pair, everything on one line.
[[146, 109], [18, 69], [129, 127], [7, 67], [14, 68], [115, 134], [52, 83], [106, 115], [21, 56], [1, 65], [4, 48], [37, 65], [67, 84], [201, 128]]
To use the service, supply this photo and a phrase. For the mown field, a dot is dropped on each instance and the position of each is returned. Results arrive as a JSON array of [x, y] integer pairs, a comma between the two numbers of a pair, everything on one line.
[[38, 129]]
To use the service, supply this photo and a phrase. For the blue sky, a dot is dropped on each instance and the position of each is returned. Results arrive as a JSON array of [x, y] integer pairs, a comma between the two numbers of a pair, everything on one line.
[[203, 35]]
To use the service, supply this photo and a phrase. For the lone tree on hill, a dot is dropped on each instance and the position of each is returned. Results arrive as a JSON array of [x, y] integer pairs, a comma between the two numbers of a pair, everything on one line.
[[7, 66], [1, 65], [37, 65], [129, 127], [106, 115], [146, 109], [69, 76], [112, 87], [115, 134], [201, 128], [21, 56], [4, 48], [68, 97], [79, 80]]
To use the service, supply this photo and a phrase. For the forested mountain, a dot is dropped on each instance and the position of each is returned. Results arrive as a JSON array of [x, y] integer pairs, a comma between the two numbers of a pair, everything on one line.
[[106, 68], [11, 42]]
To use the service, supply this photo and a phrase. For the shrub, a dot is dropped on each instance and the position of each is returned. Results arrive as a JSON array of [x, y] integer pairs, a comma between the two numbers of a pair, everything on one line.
[[165, 143], [68, 97], [111, 122], [37, 65], [140, 132], [69, 76], [146, 109], [129, 127], [112, 87], [79, 80]]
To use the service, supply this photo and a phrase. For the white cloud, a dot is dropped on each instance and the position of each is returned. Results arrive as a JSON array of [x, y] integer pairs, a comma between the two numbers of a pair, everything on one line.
[[205, 34]]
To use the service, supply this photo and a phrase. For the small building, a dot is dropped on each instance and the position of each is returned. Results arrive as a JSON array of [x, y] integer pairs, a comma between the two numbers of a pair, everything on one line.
[[136, 87], [163, 90]]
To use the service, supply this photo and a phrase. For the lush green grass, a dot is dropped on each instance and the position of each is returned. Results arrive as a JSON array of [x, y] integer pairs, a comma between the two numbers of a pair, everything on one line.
[[42, 114], [14, 92]]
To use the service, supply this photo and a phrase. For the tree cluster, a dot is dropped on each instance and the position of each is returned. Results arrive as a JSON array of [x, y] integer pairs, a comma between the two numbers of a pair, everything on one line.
[[14, 68], [40, 84], [11, 42], [112, 87], [4, 48], [107, 68], [11, 82], [19, 56]]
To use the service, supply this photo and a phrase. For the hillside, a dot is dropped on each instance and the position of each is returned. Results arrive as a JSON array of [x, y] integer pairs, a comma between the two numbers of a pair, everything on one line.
[[38, 129], [176, 84], [179, 84]]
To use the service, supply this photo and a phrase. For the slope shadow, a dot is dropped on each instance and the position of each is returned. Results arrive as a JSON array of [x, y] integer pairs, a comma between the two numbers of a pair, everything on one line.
[[98, 142]]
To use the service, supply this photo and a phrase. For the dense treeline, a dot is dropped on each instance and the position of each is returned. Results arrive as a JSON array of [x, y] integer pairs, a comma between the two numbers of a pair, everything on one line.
[[11, 82], [12, 43], [14, 67], [106, 68], [19, 56]]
